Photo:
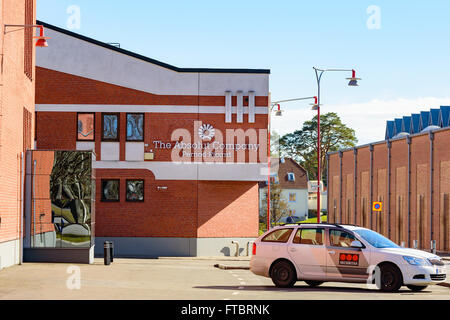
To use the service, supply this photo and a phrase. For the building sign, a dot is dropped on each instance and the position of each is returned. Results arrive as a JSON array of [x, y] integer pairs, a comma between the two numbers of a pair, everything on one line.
[[208, 143]]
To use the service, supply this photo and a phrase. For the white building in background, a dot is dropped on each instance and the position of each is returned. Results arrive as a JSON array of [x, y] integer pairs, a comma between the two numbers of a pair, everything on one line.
[[293, 180], [312, 196]]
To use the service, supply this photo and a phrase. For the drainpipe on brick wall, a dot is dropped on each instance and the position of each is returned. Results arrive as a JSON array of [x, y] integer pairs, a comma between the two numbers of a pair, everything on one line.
[[408, 141], [371, 185], [22, 213], [34, 205], [431, 136], [340, 186], [389, 144], [355, 183]]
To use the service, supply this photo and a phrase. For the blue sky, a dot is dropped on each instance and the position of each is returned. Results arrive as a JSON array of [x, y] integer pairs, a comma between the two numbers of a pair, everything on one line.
[[404, 64]]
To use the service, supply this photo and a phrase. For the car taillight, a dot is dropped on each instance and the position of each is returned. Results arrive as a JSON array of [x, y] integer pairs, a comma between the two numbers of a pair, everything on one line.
[[254, 249]]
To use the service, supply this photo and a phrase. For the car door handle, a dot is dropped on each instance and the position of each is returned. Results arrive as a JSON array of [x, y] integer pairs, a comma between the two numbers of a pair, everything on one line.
[[331, 252], [292, 249]]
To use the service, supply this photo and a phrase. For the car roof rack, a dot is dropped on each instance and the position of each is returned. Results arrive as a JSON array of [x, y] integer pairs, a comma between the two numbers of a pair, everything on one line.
[[306, 223]]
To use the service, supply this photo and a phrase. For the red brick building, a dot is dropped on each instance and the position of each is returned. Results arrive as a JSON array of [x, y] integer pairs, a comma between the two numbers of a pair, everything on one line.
[[179, 151], [409, 174], [17, 83]]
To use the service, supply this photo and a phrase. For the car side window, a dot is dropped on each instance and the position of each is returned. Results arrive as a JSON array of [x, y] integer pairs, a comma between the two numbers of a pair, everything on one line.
[[280, 235], [312, 236], [339, 238]]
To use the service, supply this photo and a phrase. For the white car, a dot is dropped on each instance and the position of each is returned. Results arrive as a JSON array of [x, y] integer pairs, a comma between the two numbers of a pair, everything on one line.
[[316, 253]]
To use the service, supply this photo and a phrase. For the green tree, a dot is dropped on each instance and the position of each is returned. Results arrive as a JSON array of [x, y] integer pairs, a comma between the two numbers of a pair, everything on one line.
[[278, 204], [301, 145]]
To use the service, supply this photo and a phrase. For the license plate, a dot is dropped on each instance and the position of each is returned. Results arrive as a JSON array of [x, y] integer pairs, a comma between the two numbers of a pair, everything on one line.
[[440, 271]]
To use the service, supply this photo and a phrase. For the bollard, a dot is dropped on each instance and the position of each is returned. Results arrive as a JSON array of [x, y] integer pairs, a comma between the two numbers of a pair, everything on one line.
[[111, 250], [237, 248], [248, 247], [433, 246], [107, 253], [415, 244]]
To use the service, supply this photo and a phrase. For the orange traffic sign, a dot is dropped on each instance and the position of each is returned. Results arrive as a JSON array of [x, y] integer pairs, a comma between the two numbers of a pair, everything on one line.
[[377, 206]]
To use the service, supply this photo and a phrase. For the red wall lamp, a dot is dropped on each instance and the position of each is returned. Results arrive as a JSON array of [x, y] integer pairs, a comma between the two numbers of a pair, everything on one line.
[[41, 39]]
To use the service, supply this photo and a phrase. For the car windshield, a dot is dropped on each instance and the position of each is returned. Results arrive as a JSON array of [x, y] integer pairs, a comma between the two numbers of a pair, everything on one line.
[[376, 239]]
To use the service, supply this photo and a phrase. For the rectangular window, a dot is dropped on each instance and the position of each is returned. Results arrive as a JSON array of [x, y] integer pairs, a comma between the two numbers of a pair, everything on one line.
[[340, 238], [26, 129], [110, 190], [291, 176], [110, 126], [28, 38], [135, 127], [292, 197], [311, 236], [280, 235], [135, 190], [85, 124]]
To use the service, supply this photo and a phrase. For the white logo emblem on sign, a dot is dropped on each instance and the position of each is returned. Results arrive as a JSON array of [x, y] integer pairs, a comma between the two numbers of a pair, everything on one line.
[[206, 132]]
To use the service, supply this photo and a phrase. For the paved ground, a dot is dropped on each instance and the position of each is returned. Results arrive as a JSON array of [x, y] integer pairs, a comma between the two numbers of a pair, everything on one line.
[[174, 279]]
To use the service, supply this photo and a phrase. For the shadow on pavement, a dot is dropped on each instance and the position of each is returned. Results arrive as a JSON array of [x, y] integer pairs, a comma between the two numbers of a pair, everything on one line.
[[305, 288]]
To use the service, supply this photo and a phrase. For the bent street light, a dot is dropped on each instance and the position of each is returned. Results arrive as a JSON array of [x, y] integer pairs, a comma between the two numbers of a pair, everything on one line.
[[352, 83], [278, 113]]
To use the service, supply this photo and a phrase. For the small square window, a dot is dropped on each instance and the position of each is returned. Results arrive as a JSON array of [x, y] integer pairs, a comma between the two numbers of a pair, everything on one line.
[[85, 124], [110, 190], [292, 197], [291, 176], [110, 126], [135, 127], [135, 190]]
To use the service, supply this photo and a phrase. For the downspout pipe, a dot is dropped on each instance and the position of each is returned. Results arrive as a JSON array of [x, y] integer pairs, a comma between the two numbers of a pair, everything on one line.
[[431, 136], [408, 141], [34, 204], [22, 213]]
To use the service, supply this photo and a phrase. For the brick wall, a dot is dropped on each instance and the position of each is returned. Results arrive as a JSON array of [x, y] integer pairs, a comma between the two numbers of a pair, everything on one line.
[[16, 93], [391, 187], [184, 209]]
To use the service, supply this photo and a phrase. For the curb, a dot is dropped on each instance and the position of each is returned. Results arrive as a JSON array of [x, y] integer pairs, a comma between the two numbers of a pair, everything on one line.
[[242, 259], [224, 267]]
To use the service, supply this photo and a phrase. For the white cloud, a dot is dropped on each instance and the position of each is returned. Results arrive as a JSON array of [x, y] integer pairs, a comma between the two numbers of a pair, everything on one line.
[[368, 119]]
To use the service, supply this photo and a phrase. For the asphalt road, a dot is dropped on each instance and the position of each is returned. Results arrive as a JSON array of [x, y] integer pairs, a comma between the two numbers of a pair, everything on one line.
[[169, 279]]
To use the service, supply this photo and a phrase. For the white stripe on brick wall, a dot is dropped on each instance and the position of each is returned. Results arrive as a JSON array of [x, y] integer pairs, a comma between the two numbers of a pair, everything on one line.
[[142, 108], [251, 106], [228, 106], [240, 107]]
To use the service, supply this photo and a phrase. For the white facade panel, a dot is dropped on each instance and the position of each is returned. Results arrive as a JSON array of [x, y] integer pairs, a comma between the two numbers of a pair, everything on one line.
[[110, 151], [134, 151]]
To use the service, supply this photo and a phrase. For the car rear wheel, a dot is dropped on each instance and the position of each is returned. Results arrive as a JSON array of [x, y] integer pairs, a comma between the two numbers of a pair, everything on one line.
[[416, 288], [390, 278], [312, 283], [283, 275]]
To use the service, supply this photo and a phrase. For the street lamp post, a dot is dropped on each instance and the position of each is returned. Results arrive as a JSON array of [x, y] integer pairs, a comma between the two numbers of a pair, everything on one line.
[[278, 113], [353, 83]]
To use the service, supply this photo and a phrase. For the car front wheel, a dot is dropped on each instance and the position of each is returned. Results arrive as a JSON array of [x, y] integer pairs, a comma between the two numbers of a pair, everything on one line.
[[390, 278], [283, 275]]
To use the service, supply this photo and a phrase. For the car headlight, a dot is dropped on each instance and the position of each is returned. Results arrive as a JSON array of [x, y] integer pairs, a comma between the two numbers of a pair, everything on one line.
[[416, 261]]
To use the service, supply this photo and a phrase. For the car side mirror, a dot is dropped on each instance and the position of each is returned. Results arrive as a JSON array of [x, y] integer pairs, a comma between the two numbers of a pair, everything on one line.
[[356, 244]]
